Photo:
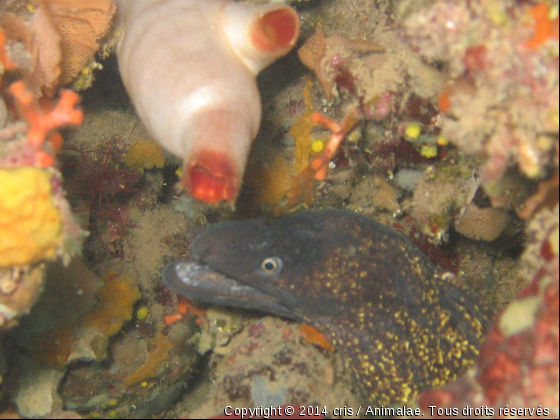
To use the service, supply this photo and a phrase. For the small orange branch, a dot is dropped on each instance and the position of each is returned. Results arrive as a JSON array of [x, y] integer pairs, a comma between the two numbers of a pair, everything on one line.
[[4, 60], [320, 163], [184, 308], [313, 336], [42, 123], [326, 122], [544, 27], [171, 319]]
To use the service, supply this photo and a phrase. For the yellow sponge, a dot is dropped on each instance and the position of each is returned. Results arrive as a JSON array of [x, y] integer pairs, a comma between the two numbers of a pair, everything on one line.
[[30, 223], [144, 154]]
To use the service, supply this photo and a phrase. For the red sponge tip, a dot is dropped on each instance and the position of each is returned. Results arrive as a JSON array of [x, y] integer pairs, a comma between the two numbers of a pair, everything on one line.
[[211, 178], [275, 30]]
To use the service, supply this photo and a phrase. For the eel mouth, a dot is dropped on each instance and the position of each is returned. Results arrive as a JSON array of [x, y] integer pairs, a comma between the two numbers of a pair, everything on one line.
[[200, 282]]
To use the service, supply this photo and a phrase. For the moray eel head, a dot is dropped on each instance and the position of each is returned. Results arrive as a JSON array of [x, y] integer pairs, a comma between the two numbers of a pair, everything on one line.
[[401, 323]]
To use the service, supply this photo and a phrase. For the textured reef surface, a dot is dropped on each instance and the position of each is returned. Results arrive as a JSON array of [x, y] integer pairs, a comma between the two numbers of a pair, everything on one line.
[[438, 119]]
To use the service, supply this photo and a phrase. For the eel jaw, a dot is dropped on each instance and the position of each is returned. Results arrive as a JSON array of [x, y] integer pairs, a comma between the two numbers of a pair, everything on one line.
[[200, 282], [211, 178]]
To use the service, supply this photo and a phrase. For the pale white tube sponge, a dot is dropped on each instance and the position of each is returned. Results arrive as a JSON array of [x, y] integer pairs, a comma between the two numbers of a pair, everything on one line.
[[189, 67]]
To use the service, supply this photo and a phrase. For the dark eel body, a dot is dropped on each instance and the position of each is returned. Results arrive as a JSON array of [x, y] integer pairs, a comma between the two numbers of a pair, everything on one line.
[[401, 323]]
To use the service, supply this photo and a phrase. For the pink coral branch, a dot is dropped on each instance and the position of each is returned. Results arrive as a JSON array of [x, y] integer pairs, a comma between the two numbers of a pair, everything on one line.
[[41, 123]]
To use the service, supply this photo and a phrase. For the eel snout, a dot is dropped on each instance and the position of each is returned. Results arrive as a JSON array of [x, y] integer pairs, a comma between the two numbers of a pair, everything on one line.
[[200, 282]]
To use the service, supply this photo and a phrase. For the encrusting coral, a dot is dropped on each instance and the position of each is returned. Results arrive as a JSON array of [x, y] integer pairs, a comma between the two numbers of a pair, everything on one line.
[[81, 25], [518, 364], [301, 130], [61, 37], [270, 183], [19, 290], [155, 358], [331, 60], [546, 196], [87, 338], [485, 224], [501, 100]]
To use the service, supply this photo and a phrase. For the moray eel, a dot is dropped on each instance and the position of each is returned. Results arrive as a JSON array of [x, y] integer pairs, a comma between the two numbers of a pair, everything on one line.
[[401, 323]]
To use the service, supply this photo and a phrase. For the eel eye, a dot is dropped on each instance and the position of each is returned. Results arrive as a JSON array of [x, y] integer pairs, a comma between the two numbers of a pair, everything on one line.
[[271, 265]]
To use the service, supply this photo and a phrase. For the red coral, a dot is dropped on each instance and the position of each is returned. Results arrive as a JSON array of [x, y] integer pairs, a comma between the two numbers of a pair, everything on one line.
[[320, 163], [40, 122], [184, 308], [312, 335], [520, 369], [544, 28], [4, 60], [534, 351], [476, 58]]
